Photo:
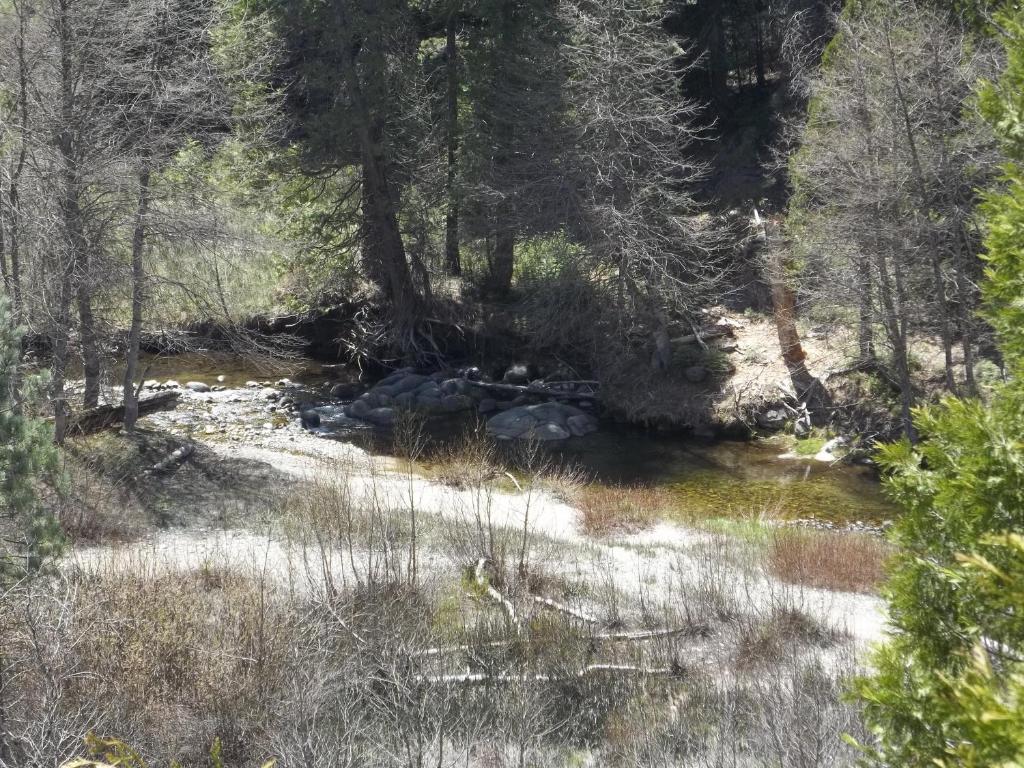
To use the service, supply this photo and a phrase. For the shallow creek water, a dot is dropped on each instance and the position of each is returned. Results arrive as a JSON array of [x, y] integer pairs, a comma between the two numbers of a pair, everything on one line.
[[704, 478]]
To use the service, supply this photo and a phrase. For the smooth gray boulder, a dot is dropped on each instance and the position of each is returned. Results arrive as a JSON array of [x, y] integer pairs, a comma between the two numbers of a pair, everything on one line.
[[381, 416], [345, 390], [197, 386], [456, 403], [511, 424], [517, 374], [582, 424], [550, 432], [358, 409]]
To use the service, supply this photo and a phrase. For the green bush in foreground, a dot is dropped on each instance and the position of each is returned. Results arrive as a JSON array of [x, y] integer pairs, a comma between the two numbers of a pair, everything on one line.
[[948, 688], [27, 534]]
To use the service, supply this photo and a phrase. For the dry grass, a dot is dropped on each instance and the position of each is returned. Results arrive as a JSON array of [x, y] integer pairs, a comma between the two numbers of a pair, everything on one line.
[[608, 509], [844, 562]]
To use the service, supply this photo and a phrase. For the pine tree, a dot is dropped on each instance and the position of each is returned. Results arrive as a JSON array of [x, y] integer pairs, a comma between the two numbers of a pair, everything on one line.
[[949, 686], [28, 535]]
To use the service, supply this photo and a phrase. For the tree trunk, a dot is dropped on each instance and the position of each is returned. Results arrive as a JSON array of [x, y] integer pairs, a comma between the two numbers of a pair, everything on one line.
[[895, 325], [382, 236], [453, 259], [718, 66], [503, 263], [808, 388], [90, 344], [865, 332], [131, 398], [966, 301], [925, 202]]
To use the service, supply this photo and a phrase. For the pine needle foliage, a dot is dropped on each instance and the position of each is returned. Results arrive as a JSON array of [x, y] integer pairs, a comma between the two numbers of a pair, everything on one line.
[[948, 688]]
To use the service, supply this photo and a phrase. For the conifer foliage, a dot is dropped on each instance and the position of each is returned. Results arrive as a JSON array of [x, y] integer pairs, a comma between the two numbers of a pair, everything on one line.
[[949, 686], [27, 534]]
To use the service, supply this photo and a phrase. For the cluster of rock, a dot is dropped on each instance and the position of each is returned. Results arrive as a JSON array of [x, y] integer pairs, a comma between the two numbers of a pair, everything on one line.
[[195, 386], [441, 393], [407, 390], [544, 421]]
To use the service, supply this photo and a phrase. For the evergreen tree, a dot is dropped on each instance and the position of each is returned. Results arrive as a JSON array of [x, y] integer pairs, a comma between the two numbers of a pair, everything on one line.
[[27, 534], [949, 686]]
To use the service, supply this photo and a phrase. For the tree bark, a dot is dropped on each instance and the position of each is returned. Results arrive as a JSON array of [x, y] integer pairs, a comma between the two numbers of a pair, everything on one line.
[[453, 259], [380, 211], [131, 398], [502, 263], [809, 390], [89, 341]]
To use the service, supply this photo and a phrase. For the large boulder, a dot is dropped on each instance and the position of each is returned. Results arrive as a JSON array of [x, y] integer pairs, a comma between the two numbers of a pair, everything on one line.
[[358, 409], [511, 424], [346, 390], [197, 386], [773, 418], [581, 425], [456, 403], [517, 374], [381, 416], [545, 421], [550, 432], [407, 383]]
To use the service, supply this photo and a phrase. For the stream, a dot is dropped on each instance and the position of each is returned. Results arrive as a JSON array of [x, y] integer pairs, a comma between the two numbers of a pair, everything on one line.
[[705, 478]]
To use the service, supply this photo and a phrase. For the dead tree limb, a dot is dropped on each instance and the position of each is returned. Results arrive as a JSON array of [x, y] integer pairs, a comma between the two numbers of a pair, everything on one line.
[[105, 416], [177, 457]]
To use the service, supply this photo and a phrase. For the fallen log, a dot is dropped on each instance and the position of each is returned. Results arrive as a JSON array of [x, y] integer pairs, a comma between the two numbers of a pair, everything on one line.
[[534, 389], [701, 336], [106, 416], [177, 457], [478, 678]]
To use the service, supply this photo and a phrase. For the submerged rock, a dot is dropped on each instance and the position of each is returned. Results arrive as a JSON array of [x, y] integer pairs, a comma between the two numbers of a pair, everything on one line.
[[545, 421]]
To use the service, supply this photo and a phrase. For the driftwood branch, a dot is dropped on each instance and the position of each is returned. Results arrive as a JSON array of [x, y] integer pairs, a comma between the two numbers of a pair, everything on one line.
[[177, 457], [106, 416], [480, 575], [534, 389], [702, 336], [477, 678], [551, 605]]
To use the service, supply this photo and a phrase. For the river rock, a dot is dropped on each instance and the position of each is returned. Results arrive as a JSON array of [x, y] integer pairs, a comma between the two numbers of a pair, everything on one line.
[[252, 384], [171, 384], [405, 400], [269, 393], [151, 384], [309, 419], [394, 377], [381, 416], [582, 424], [345, 391], [773, 418], [358, 409], [197, 386], [545, 421], [517, 374], [456, 403], [511, 424], [695, 374], [550, 432], [488, 405], [456, 387]]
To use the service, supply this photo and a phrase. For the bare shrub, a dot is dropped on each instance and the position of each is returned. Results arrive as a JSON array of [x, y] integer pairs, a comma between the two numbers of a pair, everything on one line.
[[845, 562], [608, 509]]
